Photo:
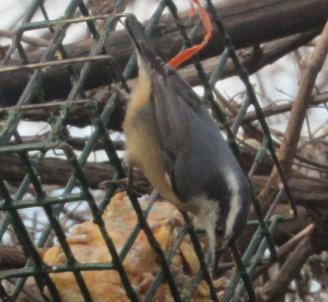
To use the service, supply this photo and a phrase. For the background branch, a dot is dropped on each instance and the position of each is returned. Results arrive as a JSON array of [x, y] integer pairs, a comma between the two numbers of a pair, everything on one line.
[[249, 23], [288, 147]]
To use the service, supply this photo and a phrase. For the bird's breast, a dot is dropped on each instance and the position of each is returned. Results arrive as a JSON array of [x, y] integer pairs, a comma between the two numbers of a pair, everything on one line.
[[144, 148]]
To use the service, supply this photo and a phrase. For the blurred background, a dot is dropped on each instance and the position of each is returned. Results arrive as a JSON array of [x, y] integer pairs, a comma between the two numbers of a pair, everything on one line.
[[275, 64]]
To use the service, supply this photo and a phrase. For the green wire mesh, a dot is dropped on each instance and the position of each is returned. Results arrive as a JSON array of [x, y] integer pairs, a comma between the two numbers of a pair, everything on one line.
[[101, 116]]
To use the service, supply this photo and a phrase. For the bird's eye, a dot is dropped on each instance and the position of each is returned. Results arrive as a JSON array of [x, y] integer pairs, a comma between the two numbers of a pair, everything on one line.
[[219, 231]]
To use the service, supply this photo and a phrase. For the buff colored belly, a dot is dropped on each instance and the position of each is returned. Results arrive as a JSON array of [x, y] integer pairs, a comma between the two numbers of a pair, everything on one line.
[[144, 148]]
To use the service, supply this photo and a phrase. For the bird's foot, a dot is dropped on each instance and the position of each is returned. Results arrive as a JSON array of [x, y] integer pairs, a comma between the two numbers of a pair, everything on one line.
[[124, 184], [121, 93]]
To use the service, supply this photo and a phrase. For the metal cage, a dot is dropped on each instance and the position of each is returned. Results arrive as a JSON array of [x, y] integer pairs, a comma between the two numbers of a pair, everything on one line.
[[53, 75]]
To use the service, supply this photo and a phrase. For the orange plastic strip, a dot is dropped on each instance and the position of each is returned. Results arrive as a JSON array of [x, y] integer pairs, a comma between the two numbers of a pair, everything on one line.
[[192, 9], [188, 53]]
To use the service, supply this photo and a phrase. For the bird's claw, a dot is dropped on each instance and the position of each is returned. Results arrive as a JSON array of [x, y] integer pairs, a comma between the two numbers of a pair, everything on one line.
[[124, 184], [121, 93]]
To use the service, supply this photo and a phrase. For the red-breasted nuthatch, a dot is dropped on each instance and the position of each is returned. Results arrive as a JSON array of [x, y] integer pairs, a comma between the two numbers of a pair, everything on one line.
[[173, 139]]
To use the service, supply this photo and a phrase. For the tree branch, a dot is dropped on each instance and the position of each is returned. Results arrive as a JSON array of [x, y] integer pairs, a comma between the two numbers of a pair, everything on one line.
[[78, 117], [314, 242], [31, 40], [77, 143], [274, 290], [288, 146], [11, 257], [56, 171], [277, 109], [248, 22]]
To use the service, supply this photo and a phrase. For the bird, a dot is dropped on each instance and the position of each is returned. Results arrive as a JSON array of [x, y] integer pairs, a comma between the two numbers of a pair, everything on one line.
[[173, 139]]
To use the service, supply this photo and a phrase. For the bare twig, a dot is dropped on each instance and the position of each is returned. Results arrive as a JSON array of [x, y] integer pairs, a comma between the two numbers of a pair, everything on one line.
[[276, 289], [273, 110], [288, 147], [285, 249], [30, 40], [77, 143]]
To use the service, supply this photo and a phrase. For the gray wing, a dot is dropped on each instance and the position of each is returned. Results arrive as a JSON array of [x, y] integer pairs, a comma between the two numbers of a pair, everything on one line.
[[174, 99], [176, 105]]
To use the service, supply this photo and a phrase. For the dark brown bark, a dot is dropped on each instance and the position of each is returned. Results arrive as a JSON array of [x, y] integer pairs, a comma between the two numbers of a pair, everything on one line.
[[11, 257], [248, 22], [314, 242], [276, 289], [55, 171], [79, 117]]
